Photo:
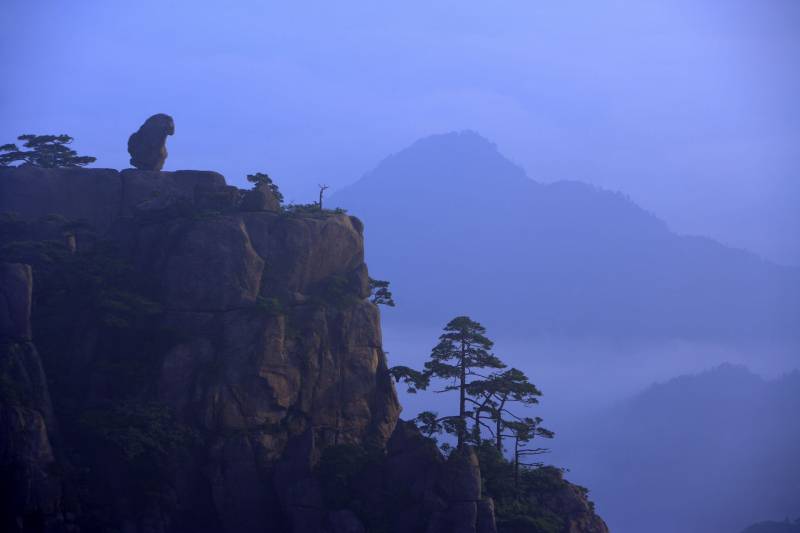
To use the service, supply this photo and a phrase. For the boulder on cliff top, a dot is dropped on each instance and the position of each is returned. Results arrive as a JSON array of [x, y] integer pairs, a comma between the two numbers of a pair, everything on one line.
[[147, 145]]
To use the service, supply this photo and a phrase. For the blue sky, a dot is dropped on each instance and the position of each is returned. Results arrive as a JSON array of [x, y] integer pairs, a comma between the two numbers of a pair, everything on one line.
[[690, 107]]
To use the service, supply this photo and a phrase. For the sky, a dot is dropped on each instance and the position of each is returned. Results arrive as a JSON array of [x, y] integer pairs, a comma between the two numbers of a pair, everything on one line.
[[688, 106]]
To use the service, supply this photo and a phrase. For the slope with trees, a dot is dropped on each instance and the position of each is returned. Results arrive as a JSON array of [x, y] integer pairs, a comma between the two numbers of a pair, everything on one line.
[[485, 418]]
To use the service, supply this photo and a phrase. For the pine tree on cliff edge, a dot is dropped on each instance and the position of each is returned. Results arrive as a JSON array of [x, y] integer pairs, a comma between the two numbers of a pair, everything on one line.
[[463, 350], [46, 151]]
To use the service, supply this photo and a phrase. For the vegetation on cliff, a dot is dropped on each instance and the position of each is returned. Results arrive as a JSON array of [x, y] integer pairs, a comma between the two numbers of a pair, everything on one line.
[[47, 151], [525, 493]]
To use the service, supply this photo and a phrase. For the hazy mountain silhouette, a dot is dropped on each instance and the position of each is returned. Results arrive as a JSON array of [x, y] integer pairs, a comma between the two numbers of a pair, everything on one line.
[[774, 527], [457, 228], [706, 453]]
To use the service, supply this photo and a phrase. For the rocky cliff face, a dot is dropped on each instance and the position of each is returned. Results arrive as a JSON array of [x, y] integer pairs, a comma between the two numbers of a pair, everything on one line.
[[30, 491], [208, 358]]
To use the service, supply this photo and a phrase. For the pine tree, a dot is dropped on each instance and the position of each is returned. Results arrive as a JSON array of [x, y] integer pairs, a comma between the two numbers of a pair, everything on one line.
[[47, 151], [524, 431], [380, 293], [463, 350], [261, 178], [495, 395]]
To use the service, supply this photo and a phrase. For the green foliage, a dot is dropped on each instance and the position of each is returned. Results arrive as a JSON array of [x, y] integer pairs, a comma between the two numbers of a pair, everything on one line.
[[460, 356], [497, 472], [311, 209], [413, 379], [260, 178], [519, 504], [47, 151], [513, 517], [339, 468], [463, 348], [380, 293], [335, 292], [429, 424], [137, 430], [494, 395], [271, 306], [510, 386], [347, 474], [97, 280]]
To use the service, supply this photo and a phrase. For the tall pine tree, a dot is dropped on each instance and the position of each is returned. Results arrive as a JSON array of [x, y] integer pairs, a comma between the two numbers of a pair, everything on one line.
[[462, 352]]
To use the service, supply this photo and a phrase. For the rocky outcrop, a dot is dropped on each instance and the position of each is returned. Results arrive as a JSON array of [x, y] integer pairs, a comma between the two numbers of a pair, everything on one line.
[[265, 341], [99, 196], [30, 486], [32, 192], [15, 302], [147, 145], [261, 198], [413, 488], [209, 356]]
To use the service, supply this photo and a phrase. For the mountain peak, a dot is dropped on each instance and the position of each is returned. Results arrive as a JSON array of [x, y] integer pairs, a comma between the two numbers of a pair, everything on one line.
[[455, 140], [450, 159]]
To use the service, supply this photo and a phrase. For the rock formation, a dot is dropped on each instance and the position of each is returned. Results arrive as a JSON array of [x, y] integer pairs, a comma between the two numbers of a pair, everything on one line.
[[212, 361], [30, 487], [260, 198], [147, 145]]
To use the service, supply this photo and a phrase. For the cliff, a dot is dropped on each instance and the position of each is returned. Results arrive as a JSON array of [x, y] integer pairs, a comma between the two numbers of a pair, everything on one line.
[[214, 364]]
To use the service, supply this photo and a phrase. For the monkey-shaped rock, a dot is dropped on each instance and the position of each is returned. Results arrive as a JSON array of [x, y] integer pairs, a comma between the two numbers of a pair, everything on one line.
[[147, 146]]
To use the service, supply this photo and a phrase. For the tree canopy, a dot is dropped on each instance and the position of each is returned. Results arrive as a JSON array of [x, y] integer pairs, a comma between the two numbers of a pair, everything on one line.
[[496, 394], [462, 353], [380, 294], [488, 391], [261, 178], [46, 151]]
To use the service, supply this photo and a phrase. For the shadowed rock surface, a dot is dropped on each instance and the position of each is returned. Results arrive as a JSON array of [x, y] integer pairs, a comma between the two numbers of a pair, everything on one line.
[[30, 486]]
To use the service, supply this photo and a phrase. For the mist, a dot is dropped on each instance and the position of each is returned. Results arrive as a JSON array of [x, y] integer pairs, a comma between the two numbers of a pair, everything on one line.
[[688, 107]]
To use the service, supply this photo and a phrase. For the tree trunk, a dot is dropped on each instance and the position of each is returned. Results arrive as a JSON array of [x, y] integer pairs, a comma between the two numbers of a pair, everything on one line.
[[477, 431], [516, 464], [499, 426], [462, 411]]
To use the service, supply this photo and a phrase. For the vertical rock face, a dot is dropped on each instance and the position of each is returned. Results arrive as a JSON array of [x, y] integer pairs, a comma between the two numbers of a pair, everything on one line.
[[92, 194], [264, 351], [30, 489], [15, 301]]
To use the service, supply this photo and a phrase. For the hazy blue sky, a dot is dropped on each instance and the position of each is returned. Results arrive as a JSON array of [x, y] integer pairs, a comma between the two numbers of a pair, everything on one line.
[[691, 107]]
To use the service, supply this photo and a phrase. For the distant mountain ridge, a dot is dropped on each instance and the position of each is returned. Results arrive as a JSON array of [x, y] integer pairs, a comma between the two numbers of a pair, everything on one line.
[[458, 228], [708, 452], [774, 527]]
